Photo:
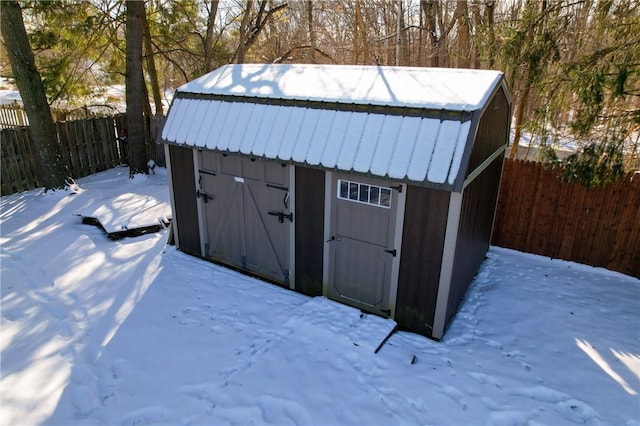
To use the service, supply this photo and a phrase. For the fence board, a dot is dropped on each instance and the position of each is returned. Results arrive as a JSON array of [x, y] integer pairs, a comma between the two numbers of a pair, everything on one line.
[[539, 214]]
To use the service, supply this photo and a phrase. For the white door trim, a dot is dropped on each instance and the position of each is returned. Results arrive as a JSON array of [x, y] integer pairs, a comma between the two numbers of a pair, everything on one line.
[[292, 227], [174, 223], [202, 222], [397, 245], [328, 200]]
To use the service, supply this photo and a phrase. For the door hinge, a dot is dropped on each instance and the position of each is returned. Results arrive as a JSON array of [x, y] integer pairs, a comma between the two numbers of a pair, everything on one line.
[[392, 252], [205, 197], [282, 216]]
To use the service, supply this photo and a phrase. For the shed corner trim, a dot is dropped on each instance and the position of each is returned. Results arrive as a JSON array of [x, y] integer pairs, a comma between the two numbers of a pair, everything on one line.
[[446, 268]]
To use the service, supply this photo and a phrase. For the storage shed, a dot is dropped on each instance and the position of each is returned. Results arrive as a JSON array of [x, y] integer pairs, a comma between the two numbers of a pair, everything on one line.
[[373, 186]]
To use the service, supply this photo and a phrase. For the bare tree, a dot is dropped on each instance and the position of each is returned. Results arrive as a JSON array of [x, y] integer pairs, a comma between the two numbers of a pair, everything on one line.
[[151, 68], [312, 30], [251, 27], [430, 10], [209, 39], [490, 7]]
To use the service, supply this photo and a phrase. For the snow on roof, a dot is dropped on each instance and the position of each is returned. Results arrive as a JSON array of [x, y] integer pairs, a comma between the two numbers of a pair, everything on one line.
[[432, 88], [425, 148]]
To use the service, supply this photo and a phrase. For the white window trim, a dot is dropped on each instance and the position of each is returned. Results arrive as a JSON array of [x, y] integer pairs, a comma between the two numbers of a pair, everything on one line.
[[367, 203]]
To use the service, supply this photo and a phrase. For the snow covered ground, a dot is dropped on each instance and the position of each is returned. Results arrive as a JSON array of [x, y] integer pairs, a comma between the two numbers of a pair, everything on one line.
[[132, 332]]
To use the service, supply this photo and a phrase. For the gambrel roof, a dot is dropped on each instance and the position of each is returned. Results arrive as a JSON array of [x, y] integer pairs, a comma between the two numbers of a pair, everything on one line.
[[409, 124]]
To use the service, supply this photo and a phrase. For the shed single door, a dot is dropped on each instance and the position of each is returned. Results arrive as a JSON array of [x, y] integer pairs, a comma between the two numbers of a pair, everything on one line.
[[361, 248], [247, 213]]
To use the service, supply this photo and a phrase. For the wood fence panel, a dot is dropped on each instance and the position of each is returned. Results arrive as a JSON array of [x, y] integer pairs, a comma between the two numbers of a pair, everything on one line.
[[10, 174], [157, 123], [12, 115], [627, 244], [89, 141], [561, 215], [102, 152], [109, 142], [69, 146], [121, 131], [18, 168], [86, 146], [31, 164], [537, 213], [65, 150]]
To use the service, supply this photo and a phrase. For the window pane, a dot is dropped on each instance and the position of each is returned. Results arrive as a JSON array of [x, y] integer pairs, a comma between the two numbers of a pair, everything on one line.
[[344, 189], [385, 197], [364, 193], [374, 195], [353, 191]]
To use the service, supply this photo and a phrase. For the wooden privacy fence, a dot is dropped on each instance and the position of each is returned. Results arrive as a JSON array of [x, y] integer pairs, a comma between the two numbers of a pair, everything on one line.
[[87, 146], [12, 115], [539, 214]]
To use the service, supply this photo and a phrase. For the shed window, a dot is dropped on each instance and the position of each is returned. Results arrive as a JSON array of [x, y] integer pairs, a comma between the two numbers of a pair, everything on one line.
[[364, 193]]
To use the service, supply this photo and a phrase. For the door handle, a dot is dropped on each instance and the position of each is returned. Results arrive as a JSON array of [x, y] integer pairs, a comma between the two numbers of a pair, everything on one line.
[[392, 252], [334, 239]]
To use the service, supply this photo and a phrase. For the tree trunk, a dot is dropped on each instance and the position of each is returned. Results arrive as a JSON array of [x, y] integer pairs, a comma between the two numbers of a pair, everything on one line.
[[312, 31], [242, 39], [462, 15], [208, 42], [476, 45], [151, 68], [422, 39], [358, 34], [405, 57], [398, 30], [135, 89], [519, 117], [52, 172], [491, 35], [429, 8]]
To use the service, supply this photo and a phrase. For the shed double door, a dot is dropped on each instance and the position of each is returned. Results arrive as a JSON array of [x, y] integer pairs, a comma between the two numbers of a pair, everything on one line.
[[361, 251], [247, 213]]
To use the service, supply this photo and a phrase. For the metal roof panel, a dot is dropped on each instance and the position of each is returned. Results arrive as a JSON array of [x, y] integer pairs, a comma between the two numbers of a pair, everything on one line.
[[417, 149]]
